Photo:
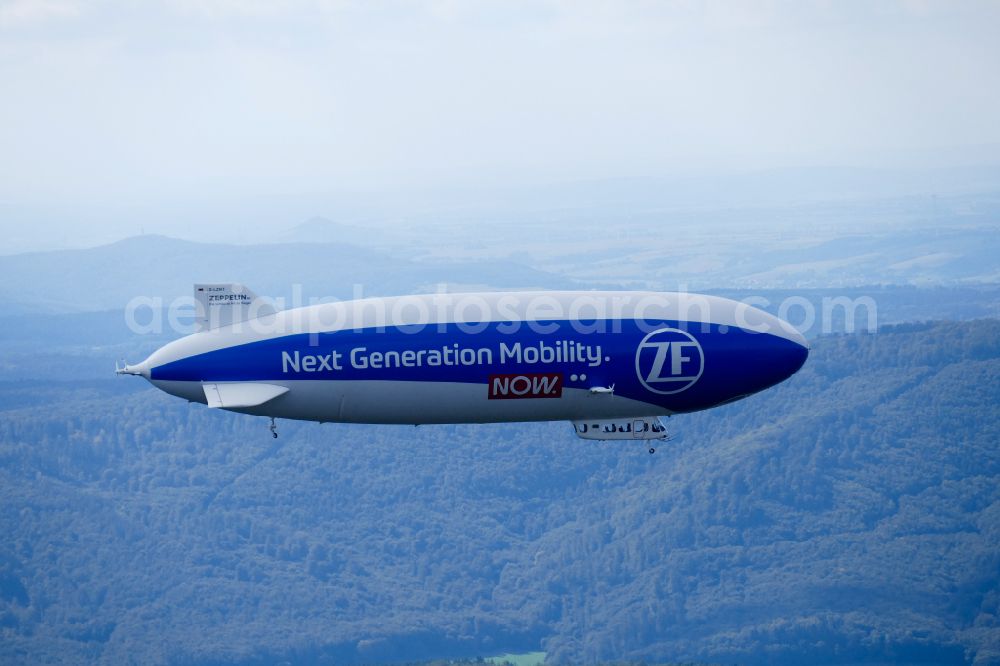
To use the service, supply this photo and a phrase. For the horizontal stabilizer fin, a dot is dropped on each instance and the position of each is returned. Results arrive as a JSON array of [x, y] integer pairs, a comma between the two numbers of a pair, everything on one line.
[[222, 304], [644, 427], [235, 395]]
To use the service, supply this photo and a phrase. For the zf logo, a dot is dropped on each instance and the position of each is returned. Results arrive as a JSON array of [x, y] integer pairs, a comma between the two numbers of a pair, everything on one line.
[[669, 360], [525, 386]]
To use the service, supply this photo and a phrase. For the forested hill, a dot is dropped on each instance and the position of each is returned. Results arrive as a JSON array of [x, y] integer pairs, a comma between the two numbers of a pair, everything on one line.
[[851, 514]]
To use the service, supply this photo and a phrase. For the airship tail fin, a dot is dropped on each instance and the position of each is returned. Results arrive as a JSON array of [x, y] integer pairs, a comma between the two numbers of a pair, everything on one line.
[[225, 303]]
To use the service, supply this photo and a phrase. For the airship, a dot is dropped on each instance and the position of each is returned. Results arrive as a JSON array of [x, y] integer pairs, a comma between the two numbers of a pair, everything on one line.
[[611, 363]]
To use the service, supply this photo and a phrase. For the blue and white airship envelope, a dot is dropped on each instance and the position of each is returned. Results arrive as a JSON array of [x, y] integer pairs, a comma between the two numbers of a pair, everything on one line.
[[610, 362]]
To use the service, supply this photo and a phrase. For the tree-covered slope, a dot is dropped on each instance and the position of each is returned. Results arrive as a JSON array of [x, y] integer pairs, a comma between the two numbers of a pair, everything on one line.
[[851, 514]]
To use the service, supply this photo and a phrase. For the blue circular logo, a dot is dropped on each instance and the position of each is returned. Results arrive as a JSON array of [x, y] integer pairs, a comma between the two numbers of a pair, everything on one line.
[[668, 361]]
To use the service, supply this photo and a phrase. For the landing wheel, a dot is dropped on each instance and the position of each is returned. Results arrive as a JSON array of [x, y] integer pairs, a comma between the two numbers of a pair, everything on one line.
[[275, 435], [651, 449], [273, 428]]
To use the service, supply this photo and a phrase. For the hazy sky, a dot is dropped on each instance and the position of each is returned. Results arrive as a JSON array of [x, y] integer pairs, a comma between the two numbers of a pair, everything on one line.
[[111, 102]]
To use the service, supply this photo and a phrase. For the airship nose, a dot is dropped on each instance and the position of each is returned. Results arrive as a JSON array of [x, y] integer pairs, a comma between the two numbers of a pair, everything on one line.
[[797, 355], [789, 356], [782, 353]]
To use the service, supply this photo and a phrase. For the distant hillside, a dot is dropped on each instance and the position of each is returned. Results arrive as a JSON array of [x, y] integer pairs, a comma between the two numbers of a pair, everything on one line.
[[107, 277], [850, 515]]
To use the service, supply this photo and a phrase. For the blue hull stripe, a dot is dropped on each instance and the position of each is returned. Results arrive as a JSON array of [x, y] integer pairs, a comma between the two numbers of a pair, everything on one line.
[[702, 366]]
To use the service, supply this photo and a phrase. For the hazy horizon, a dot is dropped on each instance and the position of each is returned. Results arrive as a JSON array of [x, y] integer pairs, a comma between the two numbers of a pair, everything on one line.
[[679, 203]]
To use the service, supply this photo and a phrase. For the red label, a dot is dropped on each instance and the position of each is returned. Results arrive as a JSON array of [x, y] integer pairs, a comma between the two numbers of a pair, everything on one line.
[[535, 385]]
